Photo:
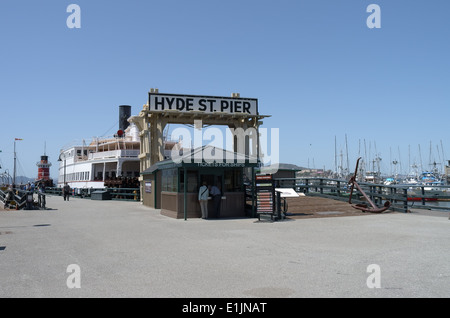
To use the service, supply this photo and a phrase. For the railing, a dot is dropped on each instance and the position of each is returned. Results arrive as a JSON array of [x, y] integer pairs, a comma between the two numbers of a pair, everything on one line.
[[398, 195], [16, 199], [429, 197], [114, 154], [123, 194], [21, 199], [340, 190]]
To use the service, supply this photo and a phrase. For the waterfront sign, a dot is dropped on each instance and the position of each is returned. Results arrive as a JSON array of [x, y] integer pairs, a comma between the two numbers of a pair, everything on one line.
[[205, 104]]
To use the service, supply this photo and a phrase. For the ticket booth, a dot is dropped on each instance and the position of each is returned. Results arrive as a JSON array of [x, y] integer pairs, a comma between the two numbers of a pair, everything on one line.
[[173, 185]]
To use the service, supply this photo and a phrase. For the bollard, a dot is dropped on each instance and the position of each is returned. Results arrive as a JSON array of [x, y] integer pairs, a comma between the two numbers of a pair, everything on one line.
[[405, 203], [278, 205], [30, 200]]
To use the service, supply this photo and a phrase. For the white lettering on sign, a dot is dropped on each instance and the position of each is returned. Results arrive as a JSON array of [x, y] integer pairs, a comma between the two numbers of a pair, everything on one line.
[[207, 104]]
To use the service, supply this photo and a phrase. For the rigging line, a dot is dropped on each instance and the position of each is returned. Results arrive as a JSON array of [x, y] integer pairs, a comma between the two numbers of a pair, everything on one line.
[[115, 125], [20, 168]]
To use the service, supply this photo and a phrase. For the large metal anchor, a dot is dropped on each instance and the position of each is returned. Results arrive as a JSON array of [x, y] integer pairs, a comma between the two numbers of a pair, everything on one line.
[[364, 207]]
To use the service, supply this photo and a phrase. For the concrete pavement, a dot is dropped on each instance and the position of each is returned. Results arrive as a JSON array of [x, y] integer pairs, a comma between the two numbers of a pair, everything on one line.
[[124, 249]]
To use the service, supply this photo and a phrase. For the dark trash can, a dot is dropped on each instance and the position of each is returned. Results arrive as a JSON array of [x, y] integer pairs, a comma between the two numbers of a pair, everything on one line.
[[100, 195]]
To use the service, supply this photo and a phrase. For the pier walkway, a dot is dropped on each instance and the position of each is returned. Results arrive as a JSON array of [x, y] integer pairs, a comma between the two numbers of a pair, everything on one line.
[[124, 249]]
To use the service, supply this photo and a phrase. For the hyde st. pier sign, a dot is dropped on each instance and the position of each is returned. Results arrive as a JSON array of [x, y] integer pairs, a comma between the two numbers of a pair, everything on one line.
[[204, 104]]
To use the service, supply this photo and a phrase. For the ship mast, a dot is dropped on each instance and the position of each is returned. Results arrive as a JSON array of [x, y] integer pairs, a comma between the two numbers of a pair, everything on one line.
[[15, 158]]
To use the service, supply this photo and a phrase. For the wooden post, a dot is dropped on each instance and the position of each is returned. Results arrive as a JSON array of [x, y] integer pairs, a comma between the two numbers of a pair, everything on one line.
[[253, 193], [185, 194], [423, 195], [405, 202]]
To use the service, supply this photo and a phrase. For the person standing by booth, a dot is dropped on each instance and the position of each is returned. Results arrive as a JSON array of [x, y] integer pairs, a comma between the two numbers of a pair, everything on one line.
[[203, 195], [217, 198]]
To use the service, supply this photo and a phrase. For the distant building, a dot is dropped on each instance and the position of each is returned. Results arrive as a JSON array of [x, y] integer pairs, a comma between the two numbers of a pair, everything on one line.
[[308, 172], [283, 171]]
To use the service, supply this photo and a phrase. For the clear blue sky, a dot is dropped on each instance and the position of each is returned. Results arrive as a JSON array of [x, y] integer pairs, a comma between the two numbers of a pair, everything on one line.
[[314, 66]]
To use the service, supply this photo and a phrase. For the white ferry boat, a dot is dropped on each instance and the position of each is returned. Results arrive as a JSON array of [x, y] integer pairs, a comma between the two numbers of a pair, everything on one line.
[[107, 162], [103, 162]]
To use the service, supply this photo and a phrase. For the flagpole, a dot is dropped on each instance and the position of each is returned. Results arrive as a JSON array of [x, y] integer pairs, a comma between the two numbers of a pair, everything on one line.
[[14, 173]]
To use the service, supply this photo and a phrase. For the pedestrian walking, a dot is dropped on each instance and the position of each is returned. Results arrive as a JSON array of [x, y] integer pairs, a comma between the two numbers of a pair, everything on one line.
[[66, 192], [41, 195]]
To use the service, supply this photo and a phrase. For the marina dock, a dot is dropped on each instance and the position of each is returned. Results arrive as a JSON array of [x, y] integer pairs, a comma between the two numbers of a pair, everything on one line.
[[125, 249]]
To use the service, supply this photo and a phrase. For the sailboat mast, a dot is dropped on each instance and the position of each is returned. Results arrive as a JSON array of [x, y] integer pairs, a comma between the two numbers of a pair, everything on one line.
[[420, 157], [14, 172], [429, 156], [346, 150], [390, 161], [409, 157], [335, 156], [366, 159]]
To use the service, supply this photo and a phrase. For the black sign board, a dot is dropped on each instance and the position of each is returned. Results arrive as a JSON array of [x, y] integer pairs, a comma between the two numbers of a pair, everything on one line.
[[265, 194]]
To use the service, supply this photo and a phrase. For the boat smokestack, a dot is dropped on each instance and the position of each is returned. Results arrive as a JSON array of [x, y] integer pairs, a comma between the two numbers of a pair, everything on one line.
[[124, 114]]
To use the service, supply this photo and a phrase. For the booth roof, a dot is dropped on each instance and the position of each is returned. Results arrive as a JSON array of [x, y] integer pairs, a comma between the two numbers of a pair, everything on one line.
[[203, 152], [286, 166]]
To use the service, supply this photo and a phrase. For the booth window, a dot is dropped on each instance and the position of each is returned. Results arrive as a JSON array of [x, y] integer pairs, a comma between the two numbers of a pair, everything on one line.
[[192, 181], [169, 180], [233, 180]]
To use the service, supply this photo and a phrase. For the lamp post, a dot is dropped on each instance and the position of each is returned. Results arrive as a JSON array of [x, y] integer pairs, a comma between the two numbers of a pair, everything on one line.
[[7, 176], [59, 159]]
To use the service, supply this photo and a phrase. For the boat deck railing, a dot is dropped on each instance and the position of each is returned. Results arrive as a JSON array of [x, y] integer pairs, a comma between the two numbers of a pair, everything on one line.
[[120, 153]]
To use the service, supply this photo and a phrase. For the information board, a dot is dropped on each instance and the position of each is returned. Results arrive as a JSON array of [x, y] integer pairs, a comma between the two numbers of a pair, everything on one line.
[[265, 194]]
